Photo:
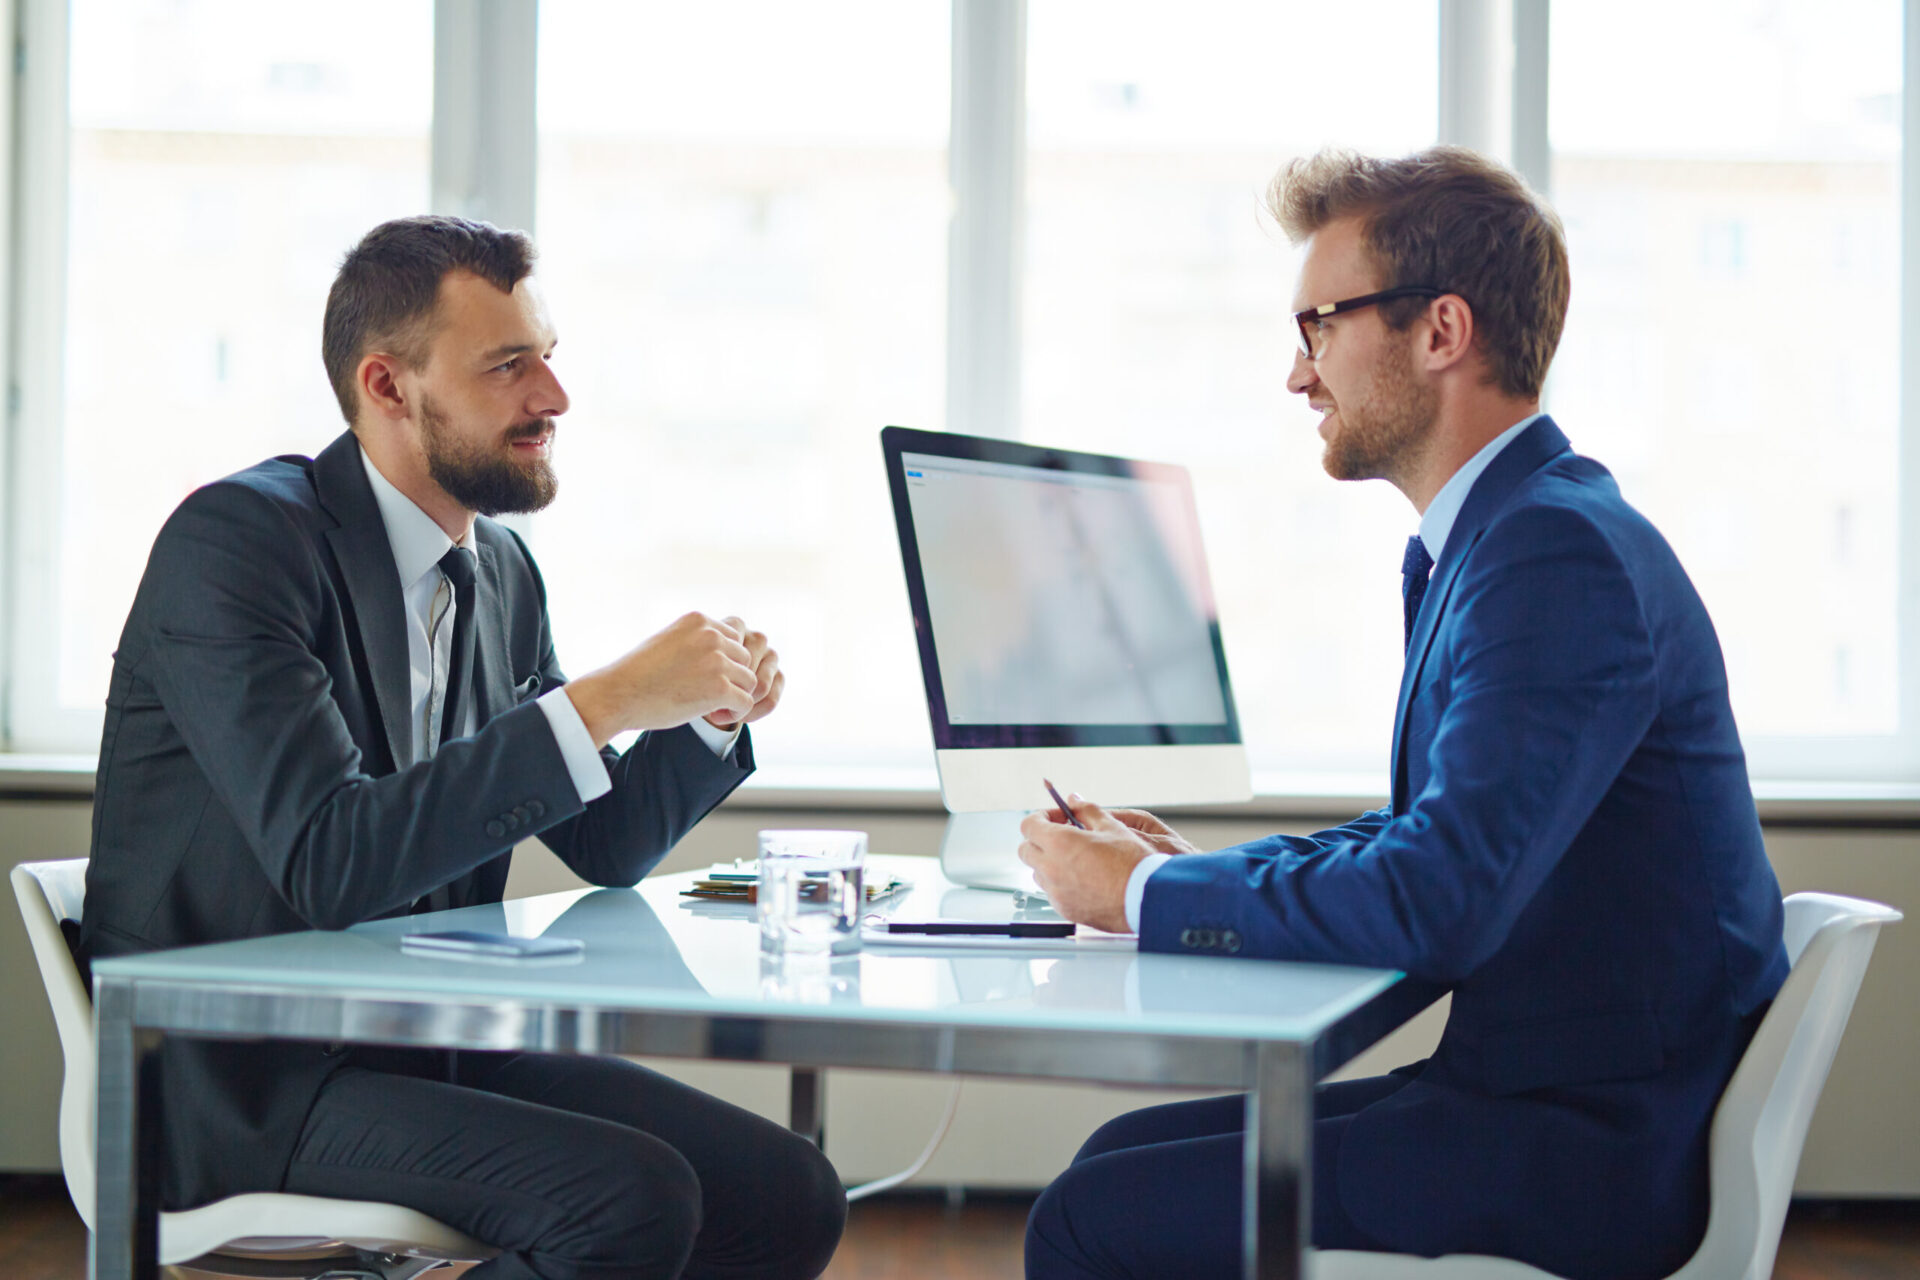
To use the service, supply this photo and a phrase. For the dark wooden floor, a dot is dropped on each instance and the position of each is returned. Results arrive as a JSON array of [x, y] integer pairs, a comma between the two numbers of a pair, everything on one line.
[[925, 1237]]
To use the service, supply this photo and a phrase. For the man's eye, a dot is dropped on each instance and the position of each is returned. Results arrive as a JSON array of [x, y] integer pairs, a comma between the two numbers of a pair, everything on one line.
[[507, 366]]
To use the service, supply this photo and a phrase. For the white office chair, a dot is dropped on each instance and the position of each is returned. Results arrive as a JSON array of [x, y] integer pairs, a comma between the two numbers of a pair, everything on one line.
[[264, 1234], [1761, 1122]]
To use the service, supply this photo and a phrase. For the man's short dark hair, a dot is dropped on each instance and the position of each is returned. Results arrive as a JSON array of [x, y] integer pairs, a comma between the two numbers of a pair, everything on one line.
[[386, 294], [1452, 219]]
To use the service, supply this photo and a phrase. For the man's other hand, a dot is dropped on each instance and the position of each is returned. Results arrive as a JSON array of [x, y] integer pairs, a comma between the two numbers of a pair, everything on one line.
[[1084, 873], [1162, 837], [696, 666], [768, 680]]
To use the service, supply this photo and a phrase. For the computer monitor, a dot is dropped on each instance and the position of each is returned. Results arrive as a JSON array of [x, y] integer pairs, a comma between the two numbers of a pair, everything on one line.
[[1066, 625]]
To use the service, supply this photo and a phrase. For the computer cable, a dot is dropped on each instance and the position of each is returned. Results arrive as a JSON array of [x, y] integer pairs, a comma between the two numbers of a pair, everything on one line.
[[891, 1181]]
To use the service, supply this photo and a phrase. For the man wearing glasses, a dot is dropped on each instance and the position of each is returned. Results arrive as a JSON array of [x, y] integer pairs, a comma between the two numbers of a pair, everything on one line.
[[1571, 846]]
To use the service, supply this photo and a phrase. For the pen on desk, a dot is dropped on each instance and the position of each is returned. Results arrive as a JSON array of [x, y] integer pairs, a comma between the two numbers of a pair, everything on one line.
[[1001, 928], [1063, 805]]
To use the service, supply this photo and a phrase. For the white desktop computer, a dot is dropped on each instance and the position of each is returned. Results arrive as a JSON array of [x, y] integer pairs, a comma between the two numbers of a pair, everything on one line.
[[1067, 630]]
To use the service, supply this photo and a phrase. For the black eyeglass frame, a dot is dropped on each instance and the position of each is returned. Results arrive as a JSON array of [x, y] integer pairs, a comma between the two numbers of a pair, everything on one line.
[[1313, 315]]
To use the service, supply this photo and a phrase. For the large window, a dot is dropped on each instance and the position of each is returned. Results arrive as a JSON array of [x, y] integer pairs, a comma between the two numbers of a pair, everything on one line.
[[219, 156], [1733, 349], [768, 230]]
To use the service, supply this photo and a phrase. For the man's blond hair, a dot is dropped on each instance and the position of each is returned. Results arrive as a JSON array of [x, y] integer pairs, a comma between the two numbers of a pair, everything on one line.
[[1451, 219]]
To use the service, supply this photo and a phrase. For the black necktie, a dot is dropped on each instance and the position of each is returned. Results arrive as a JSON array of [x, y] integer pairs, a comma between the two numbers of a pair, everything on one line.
[[1415, 568], [458, 566]]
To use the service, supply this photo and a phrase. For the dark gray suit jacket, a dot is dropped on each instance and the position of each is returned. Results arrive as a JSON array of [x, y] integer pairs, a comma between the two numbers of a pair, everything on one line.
[[249, 780]]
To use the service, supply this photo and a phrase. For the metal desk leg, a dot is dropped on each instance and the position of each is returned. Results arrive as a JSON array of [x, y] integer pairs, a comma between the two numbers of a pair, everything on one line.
[[1277, 1190], [126, 1226], [807, 1106]]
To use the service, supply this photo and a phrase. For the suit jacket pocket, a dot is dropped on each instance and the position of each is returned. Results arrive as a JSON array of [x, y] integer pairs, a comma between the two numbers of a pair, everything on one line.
[[527, 689], [1578, 1049]]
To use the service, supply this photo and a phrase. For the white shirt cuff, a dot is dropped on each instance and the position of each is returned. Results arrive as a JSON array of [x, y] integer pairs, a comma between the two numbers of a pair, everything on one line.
[[719, 741], [1137, 885], [584, 765]]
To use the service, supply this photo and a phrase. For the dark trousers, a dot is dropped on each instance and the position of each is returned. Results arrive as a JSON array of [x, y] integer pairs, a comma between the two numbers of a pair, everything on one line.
[[576, 1168], [1156, 1193]]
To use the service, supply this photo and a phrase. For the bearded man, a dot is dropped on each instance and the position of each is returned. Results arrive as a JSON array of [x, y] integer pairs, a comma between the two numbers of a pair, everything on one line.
[[337, 699], [1571, 845]]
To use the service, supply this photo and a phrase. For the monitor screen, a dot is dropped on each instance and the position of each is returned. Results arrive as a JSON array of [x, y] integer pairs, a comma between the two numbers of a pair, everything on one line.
[[1061, 598]]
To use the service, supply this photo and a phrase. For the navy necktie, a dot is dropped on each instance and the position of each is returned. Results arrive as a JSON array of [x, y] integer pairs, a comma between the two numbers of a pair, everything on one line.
[[1415, 569]]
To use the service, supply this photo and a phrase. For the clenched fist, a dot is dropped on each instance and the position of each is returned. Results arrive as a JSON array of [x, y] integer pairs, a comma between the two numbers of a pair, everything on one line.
[[697, 666], [768, 679]]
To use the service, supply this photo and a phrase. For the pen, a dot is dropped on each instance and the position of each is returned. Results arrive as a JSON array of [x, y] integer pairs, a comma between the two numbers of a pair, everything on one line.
[[1002, 928], [1063, 805]]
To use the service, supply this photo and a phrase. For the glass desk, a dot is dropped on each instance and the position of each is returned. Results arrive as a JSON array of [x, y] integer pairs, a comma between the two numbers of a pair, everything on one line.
[[674, 976]]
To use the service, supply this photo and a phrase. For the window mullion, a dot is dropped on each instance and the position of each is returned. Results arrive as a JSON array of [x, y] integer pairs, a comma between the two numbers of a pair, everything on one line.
[[987, 171], [1531, 146], [1907, 633], [485, 136], [14, 52], [1475, 63], [36, 388]]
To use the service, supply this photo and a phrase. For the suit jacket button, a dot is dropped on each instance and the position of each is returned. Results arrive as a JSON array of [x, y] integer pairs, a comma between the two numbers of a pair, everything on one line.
[[536, 810], [1189, 938], [496, 828], [522, 815], [1231, 941]]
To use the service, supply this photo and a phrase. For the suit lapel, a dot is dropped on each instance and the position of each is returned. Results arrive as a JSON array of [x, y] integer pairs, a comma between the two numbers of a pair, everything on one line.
[[359, 542], [1530, 450], [493, 676]]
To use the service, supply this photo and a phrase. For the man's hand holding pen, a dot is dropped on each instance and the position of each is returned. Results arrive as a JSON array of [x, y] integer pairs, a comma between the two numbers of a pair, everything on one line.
[[1084, 872]]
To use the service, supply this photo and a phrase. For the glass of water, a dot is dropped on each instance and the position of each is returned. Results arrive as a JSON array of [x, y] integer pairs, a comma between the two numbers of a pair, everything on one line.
[[811, 892]]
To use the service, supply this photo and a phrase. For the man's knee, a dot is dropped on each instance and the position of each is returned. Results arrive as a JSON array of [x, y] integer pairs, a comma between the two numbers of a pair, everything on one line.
[[806, 1223], [1052, 1246], [641, 1219], [1115, 1135]]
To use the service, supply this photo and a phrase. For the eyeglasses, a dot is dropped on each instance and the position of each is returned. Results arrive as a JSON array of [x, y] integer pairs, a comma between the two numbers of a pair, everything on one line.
[[1309, 320]]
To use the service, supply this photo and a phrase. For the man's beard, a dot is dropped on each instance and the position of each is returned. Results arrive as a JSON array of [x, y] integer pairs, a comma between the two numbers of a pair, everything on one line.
[[1384, 425], [481, 480]]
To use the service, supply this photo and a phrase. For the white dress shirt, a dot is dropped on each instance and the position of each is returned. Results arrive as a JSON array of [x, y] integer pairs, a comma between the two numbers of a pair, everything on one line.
[[1435, 525], [418, 544]]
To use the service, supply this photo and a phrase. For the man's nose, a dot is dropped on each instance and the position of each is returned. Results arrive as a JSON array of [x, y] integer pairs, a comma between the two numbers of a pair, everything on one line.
[[1303, 377], [549, 399]]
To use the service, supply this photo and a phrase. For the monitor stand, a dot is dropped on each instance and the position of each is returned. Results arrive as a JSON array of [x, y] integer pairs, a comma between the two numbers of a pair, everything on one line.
[[978, 850]]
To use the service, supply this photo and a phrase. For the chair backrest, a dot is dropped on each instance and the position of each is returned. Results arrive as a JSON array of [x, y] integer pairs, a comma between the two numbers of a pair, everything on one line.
[[1762, 1119], [49, 892]]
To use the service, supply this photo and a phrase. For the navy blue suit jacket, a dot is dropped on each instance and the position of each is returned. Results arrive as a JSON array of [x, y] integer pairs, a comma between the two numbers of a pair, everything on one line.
[[1572, 848], [252, 779]]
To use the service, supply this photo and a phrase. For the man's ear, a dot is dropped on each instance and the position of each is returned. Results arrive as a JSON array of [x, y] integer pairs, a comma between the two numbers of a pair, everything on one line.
[[1450, 332], [380, 390]]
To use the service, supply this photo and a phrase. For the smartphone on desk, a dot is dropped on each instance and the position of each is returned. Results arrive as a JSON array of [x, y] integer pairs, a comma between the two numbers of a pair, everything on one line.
[[496, 948]]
